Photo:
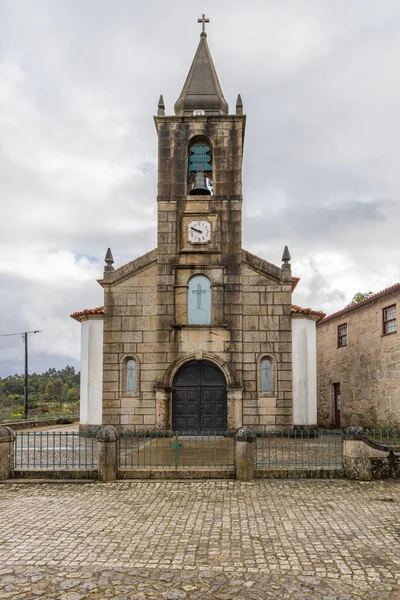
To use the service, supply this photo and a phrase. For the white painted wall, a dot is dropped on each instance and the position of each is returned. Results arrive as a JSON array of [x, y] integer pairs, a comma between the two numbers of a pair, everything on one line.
[[304, 363], [91, 371]]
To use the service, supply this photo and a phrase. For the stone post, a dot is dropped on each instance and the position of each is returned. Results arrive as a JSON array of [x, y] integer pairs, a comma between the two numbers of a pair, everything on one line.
[[162, 408], [245, 447], [7, 438], [107, 439], [356, 460]]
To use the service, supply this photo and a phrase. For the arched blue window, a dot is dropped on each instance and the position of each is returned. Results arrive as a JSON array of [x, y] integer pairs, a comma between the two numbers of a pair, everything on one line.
[[131, 375], [199, 300], [266, 375]]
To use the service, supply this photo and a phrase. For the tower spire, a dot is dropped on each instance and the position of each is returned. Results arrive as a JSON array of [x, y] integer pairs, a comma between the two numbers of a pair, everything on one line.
[[202, 90]]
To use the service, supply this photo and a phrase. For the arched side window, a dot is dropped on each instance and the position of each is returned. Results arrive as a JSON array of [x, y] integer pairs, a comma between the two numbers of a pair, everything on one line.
[[199, 301], [266, 375], [130, 381]]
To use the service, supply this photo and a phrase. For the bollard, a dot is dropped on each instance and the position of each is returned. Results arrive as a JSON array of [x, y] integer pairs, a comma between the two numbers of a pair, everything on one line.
[[7, 437], [245, 447], [107, 453]]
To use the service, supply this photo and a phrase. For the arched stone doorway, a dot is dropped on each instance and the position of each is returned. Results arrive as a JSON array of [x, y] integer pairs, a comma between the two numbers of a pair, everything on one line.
[[199, 400]]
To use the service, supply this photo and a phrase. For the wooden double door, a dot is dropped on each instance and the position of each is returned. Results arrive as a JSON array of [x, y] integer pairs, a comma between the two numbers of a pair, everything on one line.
[[199, 401]]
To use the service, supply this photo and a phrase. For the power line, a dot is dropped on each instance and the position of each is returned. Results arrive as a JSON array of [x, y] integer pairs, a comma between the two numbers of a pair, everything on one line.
[[20, 333]]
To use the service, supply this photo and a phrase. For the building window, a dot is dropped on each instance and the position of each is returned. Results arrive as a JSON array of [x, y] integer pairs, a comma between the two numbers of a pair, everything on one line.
[[389, 319], [265, 375], [131, 375], [342, 335], [199, 300]]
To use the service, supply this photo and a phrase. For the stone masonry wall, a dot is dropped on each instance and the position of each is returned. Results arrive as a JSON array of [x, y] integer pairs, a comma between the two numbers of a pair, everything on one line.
[[367, 368], [267, 333], [130, 330]]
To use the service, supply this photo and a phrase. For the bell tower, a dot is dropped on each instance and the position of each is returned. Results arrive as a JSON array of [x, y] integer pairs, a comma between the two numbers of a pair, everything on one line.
[[200, 150]]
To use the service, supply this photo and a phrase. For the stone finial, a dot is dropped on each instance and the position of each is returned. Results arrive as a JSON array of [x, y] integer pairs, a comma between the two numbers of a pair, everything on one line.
[[6, 434], [239, 105], [107, 434], [109, 260], [161, 107], [286, 255], [353, 432], [245, 434]]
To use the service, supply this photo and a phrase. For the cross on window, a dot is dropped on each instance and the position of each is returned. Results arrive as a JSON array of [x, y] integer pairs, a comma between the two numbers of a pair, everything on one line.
[[131, 376], [203, 20], [199, 292], [266, 376]]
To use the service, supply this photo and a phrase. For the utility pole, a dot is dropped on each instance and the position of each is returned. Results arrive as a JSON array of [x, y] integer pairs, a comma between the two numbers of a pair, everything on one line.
[[25, 339]]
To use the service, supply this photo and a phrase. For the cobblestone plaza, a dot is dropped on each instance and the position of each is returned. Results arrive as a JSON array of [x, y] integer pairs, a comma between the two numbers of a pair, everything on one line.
[[200, 540]]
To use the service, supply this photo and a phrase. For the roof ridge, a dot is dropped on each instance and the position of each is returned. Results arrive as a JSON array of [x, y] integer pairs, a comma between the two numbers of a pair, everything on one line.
[[348, 308]]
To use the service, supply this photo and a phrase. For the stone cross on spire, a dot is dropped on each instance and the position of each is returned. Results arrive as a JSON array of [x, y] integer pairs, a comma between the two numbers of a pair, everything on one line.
[[203, 20]]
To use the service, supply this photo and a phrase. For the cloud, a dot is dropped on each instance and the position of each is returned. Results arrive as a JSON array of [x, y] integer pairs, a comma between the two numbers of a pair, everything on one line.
[[79, 83]]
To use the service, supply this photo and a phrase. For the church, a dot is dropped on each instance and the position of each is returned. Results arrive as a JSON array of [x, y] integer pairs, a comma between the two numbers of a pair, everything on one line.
[[199, 334]]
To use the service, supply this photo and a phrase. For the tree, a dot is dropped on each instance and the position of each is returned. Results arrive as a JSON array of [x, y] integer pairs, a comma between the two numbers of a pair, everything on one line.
[[49, 389], [58, 387], [72, 395], [359, 297]]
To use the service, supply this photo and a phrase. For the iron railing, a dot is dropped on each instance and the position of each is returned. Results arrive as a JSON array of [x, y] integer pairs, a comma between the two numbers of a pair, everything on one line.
[[146, 450], [54, 450], [299, 449], [386, 436]]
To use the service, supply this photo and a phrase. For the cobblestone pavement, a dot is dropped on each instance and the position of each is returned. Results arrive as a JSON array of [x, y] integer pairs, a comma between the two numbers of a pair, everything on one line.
[[305, 539]]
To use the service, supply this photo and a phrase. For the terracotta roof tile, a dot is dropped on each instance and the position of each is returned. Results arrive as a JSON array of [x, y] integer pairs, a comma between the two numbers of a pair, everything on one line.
[[88, 311], [307, 311], [388, 290]]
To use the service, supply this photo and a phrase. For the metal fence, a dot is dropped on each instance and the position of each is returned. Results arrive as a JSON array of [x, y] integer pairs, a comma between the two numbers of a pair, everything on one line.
[[299, 450], [141, 450], [54, 450], [385, 436]]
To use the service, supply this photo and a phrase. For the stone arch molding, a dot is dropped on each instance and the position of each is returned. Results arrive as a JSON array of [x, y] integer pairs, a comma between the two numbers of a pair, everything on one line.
[[175, 366]]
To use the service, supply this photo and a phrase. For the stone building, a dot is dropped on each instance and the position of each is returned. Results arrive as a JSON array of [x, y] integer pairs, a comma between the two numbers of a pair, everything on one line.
[[358, 351], [199, 334]]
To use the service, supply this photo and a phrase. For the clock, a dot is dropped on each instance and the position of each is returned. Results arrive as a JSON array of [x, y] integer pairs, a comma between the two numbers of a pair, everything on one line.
[[199, 232]]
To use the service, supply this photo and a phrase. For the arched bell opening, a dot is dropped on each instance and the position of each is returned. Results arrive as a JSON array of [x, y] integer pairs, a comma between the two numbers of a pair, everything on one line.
[[199, 398], [200, 169]]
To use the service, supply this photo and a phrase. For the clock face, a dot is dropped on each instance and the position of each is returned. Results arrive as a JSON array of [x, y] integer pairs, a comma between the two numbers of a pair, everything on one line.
[[199, 232]]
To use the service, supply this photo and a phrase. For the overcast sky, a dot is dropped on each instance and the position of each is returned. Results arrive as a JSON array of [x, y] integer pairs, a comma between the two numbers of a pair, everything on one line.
[[79, 85]]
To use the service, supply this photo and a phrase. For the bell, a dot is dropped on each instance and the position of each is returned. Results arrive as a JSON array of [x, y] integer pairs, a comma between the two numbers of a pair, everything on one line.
[[199, 187]]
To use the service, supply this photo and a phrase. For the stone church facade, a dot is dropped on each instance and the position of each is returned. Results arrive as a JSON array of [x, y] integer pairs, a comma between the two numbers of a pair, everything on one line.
[[199, 334]]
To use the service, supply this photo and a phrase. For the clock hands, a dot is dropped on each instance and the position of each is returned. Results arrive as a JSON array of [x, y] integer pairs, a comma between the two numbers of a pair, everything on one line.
[[198, 230]]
